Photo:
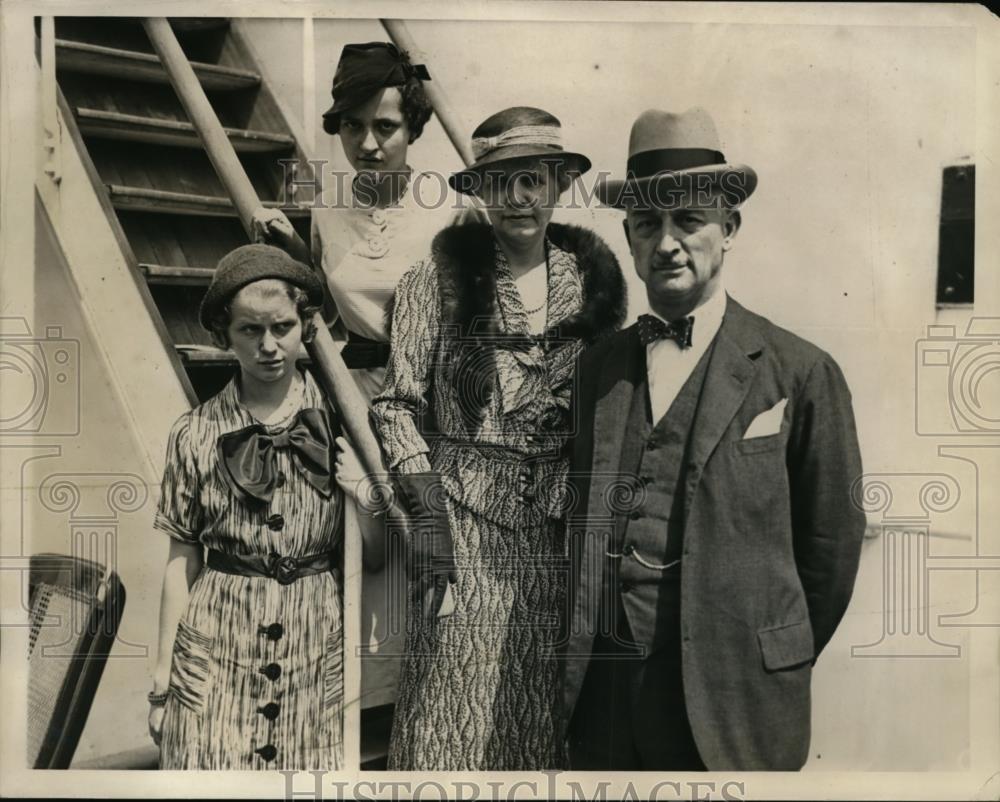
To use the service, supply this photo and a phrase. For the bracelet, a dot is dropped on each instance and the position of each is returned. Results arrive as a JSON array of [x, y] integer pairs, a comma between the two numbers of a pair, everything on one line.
[[157, 699]]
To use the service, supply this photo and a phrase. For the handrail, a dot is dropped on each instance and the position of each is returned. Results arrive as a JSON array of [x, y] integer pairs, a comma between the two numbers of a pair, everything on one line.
[[401, 37], [333, 374]]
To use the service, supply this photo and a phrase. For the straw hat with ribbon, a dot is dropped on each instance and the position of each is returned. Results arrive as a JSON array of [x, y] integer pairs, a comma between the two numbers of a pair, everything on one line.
[[513, 134], [671, 156]]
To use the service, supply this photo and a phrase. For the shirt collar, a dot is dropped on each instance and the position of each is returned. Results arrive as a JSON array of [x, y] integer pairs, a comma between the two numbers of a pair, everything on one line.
[[707, 315]]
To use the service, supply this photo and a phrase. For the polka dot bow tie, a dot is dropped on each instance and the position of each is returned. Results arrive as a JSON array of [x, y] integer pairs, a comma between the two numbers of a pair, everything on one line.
[[651, 329]]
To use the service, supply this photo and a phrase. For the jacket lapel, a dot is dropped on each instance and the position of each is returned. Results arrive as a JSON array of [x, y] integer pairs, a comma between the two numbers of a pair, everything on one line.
[[727, 382], [622, 369]]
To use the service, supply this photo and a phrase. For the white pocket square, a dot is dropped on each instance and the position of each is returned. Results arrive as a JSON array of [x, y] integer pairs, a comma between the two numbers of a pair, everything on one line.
[[767, 422]]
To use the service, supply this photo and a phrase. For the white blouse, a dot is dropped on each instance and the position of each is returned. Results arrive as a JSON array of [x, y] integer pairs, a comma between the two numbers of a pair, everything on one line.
[[365, 251]]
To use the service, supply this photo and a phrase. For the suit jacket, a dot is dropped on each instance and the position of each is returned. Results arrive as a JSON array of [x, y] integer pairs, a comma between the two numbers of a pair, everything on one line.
[[771, 537]]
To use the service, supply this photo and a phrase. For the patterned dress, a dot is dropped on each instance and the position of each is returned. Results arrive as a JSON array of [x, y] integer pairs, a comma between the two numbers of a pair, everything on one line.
[[256, 680], [478, 687]]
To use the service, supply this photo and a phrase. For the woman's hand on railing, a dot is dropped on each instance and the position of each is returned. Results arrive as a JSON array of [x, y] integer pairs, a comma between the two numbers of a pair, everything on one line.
[[272, 227]]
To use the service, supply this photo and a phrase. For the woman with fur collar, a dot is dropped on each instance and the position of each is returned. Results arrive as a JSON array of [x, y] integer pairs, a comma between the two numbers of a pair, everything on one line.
[[473, 417]]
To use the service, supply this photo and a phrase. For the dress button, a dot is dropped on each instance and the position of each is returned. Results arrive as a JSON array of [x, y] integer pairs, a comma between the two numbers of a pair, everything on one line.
[[272, 671], [269, 711], [378, 217], [279, 480], [628, 550], [268, 752], [275, 522], [274, 631], [635, 515], [652, 445]]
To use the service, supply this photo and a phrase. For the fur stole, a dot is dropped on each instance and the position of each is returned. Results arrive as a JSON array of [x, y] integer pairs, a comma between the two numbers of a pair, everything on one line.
[[465, 260]]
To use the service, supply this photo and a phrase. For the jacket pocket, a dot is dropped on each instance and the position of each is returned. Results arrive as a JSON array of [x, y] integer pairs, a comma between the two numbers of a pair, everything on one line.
[[786, 645], [333, 670], [191, 667], [761, 445]]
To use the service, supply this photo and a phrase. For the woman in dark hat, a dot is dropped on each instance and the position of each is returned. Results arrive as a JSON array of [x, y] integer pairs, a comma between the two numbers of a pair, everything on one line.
[[249, 673], [364, 243], [475, 411]]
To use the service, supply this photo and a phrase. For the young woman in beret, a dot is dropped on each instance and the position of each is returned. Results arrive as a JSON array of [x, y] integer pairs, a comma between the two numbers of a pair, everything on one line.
[[250, 667]]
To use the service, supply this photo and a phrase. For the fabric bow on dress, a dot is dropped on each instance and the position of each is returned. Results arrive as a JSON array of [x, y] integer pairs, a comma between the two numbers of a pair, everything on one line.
[[247, 456]]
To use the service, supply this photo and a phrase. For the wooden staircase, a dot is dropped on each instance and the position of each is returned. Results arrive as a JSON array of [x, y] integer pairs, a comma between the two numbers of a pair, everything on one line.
[[170, 212]]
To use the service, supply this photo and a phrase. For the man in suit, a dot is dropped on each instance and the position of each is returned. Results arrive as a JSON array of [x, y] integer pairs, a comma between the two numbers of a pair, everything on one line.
[[715, 544]]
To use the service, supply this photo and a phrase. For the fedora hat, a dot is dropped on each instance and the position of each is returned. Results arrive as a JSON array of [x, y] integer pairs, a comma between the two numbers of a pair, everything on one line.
[[521, 132], [673, 155]]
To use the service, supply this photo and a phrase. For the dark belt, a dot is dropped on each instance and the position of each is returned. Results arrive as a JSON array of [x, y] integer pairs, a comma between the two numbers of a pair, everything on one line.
[[284, 569], [360, 353]]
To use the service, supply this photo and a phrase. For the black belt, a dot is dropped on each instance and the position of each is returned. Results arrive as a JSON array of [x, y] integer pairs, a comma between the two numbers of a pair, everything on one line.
[[360, 353], [284, 569]]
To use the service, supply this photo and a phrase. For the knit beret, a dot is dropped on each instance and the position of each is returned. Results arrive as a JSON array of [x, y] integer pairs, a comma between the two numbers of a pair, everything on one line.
[[250, 263]]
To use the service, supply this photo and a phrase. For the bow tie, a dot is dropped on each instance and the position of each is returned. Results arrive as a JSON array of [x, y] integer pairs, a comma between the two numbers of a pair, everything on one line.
[[247, 457], [651, 329]]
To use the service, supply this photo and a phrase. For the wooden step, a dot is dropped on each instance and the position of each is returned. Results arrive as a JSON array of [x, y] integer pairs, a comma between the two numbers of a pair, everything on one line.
[[151, 130], [144, 67], [198, 24], [173, 274], [141, 199]]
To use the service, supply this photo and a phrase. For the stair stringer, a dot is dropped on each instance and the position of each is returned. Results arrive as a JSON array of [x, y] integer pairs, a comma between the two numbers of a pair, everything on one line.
[[140, 362]]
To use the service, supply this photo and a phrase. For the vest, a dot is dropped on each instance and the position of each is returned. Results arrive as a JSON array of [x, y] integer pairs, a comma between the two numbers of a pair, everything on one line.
[[653, 459]]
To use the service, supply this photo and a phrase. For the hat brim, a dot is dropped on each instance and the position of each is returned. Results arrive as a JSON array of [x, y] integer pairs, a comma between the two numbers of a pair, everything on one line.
[[466, 181], [293, 272], [732, 183]]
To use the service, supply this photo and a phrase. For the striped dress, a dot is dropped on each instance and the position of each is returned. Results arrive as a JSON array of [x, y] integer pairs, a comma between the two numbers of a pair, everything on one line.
[[256, 679]]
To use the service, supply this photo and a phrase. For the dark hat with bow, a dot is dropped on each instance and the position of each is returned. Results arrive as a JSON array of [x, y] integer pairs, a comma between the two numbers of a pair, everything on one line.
[[674, 157], [250, 263], [515, 134], [362, 71]]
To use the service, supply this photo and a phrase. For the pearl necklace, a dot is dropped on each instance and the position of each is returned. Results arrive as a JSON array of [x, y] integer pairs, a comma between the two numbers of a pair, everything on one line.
[[537, 309]]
